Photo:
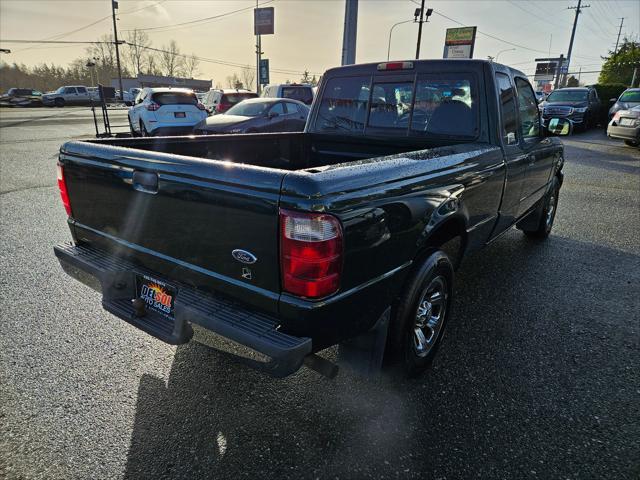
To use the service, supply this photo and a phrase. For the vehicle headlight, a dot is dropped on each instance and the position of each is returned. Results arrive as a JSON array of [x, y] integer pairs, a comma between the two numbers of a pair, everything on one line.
[[580, 110]]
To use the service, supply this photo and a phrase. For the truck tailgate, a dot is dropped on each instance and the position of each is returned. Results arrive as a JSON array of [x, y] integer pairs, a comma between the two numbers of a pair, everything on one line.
[[180, 216]]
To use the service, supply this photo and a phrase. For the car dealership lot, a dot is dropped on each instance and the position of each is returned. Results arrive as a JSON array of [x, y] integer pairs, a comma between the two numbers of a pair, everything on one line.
[[537, 377]]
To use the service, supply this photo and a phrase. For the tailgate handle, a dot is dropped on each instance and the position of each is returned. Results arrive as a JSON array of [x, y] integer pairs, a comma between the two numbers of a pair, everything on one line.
[[145, 182]]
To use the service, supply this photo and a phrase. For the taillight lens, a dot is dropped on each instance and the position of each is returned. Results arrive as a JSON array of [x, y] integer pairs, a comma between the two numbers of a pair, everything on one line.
[[152, 107], [200, 106], [616, 116], [310, 253], [64, 194]]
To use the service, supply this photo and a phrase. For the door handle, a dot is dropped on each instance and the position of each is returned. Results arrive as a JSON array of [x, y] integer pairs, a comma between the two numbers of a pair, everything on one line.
[[145, 182]]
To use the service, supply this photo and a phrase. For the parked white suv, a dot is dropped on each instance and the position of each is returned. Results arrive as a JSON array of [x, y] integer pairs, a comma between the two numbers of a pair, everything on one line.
[[158, 111], [71, 95], [296, 91]]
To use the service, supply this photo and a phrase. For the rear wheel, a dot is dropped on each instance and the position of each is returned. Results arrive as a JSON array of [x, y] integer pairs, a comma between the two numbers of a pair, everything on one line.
[[421, 315], [133, 132], [631, 143], [143, 130], [549, 209], [59, 102]]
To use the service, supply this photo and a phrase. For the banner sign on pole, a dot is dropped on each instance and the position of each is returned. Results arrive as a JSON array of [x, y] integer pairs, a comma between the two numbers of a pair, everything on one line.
[[263, 19], [264, 71], [459, 42]]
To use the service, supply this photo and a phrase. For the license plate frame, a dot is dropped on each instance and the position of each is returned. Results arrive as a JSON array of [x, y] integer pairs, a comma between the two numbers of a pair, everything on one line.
[[179, 114], [158, 296]]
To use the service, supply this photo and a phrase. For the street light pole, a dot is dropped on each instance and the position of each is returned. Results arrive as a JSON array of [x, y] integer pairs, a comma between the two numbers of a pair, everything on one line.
[[114, 6], [390, 32], [420, 29], [502, 51]]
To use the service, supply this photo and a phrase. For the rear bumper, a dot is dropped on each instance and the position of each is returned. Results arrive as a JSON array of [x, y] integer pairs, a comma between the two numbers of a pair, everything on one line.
[[115, 279], [624, 133], [172, 130]]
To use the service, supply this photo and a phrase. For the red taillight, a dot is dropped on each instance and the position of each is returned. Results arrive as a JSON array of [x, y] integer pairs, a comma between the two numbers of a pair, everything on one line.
[[152, 107], [64, 194], [310, 253], [616, 116], [200, 106]]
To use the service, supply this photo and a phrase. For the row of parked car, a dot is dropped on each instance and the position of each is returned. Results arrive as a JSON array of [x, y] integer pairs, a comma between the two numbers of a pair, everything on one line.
[[583, 107], [160, 111]]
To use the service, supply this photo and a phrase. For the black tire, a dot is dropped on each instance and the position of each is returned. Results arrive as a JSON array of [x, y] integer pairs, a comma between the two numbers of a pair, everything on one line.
[[59, 102], [133, 132], [143, 130], [434, 275], [549, 209], [631, 143]]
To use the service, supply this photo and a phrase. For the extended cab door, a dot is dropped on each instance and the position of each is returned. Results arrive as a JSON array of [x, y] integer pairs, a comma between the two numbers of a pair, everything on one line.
[[537, 148], [516, 157]]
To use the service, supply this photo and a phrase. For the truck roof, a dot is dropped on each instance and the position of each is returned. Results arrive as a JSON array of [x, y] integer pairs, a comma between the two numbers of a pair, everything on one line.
[[421, 65]]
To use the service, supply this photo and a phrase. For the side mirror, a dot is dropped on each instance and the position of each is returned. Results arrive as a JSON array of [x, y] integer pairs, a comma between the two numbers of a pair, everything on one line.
[[613, 100], [560, 126], [273, 114]]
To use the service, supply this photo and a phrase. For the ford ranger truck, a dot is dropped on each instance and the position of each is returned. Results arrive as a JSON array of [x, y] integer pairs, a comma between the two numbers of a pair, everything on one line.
[[344, 234]]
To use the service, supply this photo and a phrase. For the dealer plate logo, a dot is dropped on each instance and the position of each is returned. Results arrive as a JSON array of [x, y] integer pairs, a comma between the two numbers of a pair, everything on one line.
[[243, 256]]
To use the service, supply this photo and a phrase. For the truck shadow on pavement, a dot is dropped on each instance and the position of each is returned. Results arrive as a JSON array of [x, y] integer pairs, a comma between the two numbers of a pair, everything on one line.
[[524, 376]]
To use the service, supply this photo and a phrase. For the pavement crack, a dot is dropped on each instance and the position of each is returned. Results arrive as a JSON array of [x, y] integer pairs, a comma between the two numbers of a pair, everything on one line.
[[22, 189]]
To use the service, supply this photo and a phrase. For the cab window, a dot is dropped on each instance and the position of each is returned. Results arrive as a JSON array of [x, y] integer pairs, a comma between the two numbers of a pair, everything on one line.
[[391, 105], [507, 100], [528, 109]]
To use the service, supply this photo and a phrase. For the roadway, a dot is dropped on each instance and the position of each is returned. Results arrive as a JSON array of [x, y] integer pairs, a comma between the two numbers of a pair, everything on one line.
[[537, 377]]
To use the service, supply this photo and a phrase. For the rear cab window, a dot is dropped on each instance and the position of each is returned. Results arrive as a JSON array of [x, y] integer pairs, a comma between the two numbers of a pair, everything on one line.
[[439, 105], [175, 98]]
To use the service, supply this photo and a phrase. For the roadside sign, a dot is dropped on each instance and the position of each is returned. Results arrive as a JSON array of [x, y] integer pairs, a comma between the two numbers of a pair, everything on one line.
[[459, 42], [264, 71], [545, 71], [263, 20]]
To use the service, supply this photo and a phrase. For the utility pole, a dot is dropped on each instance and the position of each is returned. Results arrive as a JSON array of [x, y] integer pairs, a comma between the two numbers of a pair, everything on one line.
[[258, 56], [350, 32], [573, 34], [618, 39], [114, 6]]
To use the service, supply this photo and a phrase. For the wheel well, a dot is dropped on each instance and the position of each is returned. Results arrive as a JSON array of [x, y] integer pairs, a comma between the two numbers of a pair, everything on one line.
[[450, 237]]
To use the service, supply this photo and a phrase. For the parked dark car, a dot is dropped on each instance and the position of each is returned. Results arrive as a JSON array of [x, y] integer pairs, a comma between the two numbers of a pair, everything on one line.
[[347, 233], [627, 100], [219, 101], [257, 115], [625, 125], [581, 105], [22, 97]]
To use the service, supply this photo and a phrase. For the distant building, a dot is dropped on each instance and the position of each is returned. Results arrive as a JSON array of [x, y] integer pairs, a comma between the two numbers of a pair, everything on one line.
[[142, 81]]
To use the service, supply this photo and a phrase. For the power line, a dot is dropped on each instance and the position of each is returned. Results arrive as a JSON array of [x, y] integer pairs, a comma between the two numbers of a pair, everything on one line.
[[221, 62], [176, 26]]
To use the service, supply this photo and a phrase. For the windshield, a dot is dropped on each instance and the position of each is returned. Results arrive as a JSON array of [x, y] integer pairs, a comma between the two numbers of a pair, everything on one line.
[[249, 109], [434, 105], [60, 90], [631, 96], [568, 96]]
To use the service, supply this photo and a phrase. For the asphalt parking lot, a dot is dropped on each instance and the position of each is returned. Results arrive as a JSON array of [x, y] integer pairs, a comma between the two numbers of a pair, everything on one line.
[[538, 376]]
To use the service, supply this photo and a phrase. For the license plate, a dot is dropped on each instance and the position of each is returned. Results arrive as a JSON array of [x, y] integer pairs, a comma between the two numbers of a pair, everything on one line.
[[626, 121], [158, 296], [180, 114]]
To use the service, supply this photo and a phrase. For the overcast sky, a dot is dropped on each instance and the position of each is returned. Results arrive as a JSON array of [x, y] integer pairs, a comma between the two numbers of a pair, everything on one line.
[[308, 33]]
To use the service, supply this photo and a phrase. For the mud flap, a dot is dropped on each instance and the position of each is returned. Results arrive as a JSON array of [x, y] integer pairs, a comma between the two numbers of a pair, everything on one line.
[[363, 354]]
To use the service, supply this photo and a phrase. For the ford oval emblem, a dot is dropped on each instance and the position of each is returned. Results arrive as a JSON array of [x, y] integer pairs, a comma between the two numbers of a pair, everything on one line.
[[243, 256]]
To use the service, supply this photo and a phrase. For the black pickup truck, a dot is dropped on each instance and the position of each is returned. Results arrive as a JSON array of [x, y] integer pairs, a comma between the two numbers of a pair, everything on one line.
[[347, 233]]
